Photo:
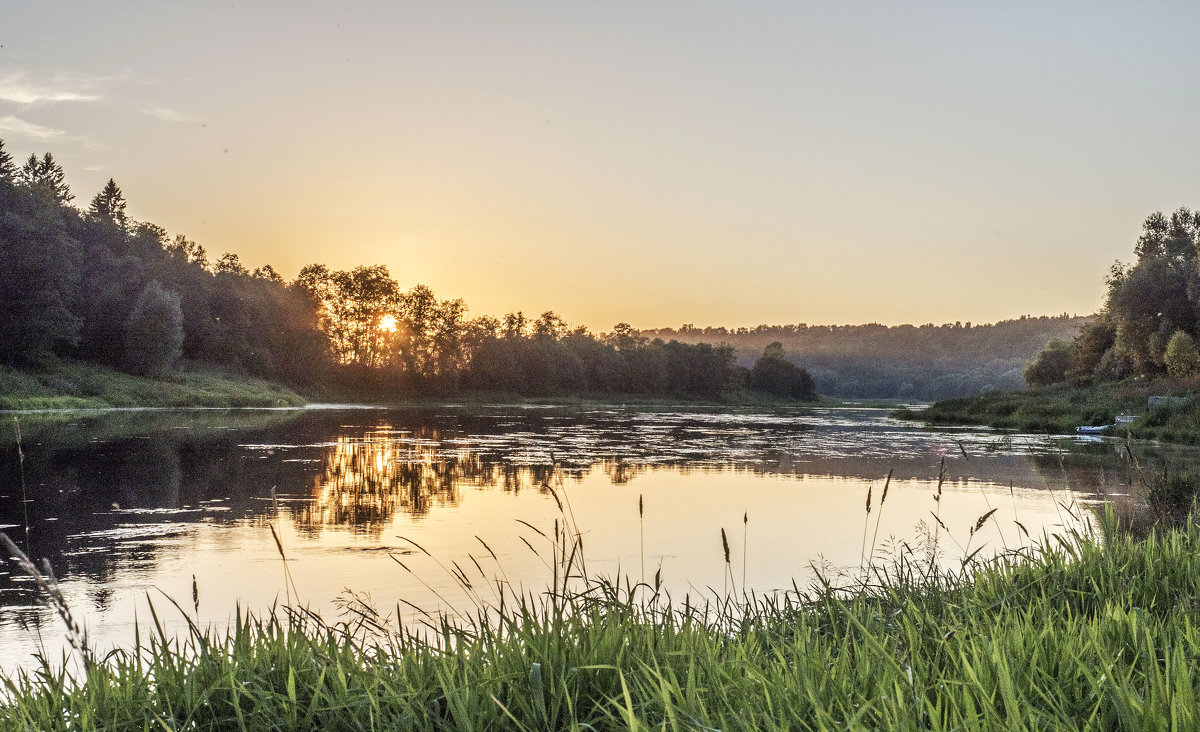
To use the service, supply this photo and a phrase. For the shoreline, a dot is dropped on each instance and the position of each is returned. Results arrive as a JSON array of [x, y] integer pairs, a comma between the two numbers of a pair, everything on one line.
[[80, 387], [1060, 409]]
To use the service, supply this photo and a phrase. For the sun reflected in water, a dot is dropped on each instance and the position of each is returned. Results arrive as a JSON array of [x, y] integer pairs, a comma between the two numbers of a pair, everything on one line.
[[368, 480]]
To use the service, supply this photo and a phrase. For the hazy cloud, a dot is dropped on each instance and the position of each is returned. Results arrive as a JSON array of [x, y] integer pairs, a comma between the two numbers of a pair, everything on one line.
[[166, 115], [19, 88], [20, 128]]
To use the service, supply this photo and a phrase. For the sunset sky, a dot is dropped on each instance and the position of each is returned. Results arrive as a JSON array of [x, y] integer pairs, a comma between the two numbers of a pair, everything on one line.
[[657, 163]]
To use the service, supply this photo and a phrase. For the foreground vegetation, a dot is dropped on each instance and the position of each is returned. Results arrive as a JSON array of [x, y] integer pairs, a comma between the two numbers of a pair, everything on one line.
[[1083, 633], [87, 386]]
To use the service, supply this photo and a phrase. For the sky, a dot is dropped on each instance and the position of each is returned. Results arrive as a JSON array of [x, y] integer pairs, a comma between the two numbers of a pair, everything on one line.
[[655, 163]]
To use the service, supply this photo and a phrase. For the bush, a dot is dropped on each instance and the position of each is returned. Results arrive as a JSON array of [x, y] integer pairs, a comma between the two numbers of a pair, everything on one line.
[[1181, 358], [154, 332], [1051, 365]]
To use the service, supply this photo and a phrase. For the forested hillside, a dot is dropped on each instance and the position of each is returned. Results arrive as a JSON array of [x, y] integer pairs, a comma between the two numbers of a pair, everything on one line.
[[92, 285], [95, 286], [905, 361]]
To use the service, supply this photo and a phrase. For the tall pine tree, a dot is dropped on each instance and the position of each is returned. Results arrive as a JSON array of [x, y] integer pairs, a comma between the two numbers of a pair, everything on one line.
[[47, 176], [109, 204], [8, 169]]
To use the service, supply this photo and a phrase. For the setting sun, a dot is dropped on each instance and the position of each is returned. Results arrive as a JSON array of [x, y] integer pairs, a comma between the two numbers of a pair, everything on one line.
[[388, 323]]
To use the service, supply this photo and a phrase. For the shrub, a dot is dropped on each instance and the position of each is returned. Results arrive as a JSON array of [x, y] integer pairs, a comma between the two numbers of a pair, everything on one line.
[[154, 332], [1051, 365], [1181, 358]]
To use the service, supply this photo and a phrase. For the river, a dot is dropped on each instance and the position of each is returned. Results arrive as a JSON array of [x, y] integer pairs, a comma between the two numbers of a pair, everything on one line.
[[133, 506]]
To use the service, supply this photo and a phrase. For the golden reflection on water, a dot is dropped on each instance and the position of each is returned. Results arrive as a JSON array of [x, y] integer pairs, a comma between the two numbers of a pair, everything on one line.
[[368, 480]]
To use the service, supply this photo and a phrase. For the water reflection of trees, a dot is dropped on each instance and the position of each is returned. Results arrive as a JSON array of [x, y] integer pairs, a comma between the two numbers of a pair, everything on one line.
[[368, 480], [364, 472]]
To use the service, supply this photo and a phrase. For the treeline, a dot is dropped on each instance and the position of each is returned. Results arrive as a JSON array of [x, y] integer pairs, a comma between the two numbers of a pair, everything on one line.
[[391, 339], [924, 362], [96, 286], [1150, 321]]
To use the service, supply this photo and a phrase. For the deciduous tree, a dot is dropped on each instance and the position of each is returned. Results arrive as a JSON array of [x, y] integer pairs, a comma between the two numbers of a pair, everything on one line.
[[154, 332]]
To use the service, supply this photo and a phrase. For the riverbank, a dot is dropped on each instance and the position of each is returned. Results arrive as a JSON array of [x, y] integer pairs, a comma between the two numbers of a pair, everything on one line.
[[67, 385], [736, 399], [1061, 408], [1093, 633]]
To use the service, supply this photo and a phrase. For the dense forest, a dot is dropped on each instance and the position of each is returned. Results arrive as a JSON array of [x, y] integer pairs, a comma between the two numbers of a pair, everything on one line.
[[95, 286], [911, 362], [91, 284], [1150, 321]]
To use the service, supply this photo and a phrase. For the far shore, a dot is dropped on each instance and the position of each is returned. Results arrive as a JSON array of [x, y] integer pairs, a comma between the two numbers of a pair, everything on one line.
[[73, 386]]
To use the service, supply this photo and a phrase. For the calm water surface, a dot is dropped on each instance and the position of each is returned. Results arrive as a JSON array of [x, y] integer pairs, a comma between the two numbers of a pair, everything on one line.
[[129, 506]]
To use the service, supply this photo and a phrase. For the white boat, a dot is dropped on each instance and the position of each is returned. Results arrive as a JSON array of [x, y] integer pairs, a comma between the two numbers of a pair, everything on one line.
[[1086, 430]]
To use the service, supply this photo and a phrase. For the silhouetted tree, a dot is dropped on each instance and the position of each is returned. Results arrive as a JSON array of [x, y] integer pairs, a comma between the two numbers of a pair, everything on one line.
[[774, 374], [46, 177], [109, 204], [8, 169], [72, 284], [267, 272], [188, 251], [230, 264]]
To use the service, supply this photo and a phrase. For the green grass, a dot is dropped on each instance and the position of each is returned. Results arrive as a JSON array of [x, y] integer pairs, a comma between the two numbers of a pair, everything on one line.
[[1062, 408], [733, 399], [67, 385], [1091, 633]]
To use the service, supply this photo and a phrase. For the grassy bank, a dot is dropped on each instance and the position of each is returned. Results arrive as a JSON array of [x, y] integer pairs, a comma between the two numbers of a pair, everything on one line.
[[1062, 408], [740, 398], [1095, 634], [67, 385], [86, 386]]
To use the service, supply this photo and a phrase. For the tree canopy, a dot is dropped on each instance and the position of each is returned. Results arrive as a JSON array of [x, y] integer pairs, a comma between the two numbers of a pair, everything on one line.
[[1150, 320]]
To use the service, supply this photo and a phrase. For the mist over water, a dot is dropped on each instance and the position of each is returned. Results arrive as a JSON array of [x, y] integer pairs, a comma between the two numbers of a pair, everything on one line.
[[129, 506]]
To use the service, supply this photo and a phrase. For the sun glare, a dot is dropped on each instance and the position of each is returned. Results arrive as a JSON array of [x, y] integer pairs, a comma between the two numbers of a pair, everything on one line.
[[387, 323]]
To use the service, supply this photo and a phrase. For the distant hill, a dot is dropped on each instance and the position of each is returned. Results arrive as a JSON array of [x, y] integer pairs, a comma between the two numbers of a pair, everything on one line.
[[923, 362]]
